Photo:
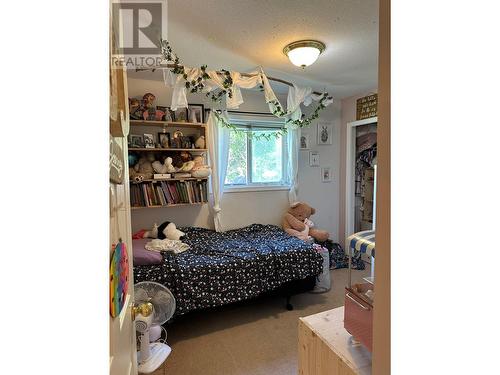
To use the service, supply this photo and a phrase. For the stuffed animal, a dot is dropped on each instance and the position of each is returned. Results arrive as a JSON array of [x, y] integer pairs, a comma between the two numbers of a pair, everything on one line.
[[200, 170], [153, 233], [200, 142], [169, 230], [143, 169], [296, 222], [168, 164]]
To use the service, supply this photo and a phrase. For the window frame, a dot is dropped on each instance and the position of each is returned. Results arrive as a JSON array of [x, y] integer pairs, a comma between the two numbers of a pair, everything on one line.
[[256, 122]]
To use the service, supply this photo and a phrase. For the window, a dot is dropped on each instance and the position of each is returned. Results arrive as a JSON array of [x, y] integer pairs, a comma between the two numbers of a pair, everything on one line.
[[256, 163]]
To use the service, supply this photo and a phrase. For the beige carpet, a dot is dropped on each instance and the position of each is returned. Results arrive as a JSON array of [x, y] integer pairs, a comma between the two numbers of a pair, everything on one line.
[[257, 338]]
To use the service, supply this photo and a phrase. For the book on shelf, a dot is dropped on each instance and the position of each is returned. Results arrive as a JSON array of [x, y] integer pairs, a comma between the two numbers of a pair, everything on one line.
[[165, 193]]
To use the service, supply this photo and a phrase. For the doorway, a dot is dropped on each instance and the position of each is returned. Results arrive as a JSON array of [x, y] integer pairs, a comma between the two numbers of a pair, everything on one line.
[[361, 166]]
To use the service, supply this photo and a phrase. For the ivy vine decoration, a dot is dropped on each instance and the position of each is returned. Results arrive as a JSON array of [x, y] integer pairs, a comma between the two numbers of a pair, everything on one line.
[[198, 84], [241, 131]]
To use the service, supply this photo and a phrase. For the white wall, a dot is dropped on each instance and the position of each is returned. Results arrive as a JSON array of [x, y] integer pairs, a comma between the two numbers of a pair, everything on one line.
[[266, 207]]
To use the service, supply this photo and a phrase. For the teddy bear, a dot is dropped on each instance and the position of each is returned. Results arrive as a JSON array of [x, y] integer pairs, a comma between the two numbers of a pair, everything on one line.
[[143, 170], [296, 223], [200, 169]]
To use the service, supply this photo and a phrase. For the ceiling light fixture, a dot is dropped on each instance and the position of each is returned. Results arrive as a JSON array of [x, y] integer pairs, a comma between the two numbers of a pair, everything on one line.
[[304, 52]]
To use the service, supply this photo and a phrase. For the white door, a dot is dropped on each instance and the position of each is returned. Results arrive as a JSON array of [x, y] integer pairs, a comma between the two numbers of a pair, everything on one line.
[[122, 350]]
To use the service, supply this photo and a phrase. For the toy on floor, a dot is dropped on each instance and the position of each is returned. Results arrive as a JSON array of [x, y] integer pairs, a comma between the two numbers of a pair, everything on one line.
[[296, 223]]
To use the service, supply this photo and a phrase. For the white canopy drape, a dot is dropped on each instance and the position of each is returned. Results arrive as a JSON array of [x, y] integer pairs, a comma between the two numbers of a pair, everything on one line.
[[218, 151]]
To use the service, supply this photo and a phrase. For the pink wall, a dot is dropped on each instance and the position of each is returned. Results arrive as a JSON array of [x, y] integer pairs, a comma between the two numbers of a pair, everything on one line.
[[348, 114]]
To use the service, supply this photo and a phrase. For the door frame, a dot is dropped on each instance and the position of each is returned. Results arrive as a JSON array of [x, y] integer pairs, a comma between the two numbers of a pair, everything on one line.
[[349, 171]]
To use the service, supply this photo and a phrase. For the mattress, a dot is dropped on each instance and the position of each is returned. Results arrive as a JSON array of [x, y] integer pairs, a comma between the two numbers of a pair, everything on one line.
[[226, 267]]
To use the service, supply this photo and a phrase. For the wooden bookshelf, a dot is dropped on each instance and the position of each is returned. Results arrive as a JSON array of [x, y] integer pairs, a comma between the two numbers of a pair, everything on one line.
[[167, 124], [167, 149], [170, 205], [177, 191], [172, 179]]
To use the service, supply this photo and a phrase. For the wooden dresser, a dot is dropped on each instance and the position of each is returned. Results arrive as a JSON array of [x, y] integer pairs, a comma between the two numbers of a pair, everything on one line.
[[326, 348]]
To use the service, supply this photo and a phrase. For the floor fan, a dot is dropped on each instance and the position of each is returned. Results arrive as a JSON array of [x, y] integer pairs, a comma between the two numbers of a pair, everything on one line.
[[155, 305]]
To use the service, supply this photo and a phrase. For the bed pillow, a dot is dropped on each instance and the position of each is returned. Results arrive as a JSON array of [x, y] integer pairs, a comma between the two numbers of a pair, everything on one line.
[[143, 257]]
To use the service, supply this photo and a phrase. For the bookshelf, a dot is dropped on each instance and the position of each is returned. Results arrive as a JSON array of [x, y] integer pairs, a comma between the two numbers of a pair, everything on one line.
[[171, 192], [142, 149], [167, 124]]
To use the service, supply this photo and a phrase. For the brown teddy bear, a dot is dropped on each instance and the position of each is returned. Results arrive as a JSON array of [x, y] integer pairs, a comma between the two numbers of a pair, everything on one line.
[[296, 223]]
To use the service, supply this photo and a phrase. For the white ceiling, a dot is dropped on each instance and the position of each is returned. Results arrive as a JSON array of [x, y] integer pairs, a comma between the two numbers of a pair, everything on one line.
[[245, 34]]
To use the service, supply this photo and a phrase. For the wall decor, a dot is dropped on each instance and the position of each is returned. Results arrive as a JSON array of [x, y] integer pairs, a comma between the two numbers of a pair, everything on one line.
[[118, 279], [326, 174], [164, 139], [325, 133], [136, 140], [181, 115], [314, 158], [366, 107], [116, 162], [304, 141], [196, 113], [149, 141]]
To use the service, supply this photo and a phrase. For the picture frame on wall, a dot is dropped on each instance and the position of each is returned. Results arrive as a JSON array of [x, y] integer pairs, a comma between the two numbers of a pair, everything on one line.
[[149, 141], [181, 115], [325, 133], [164, 140], [136, 140], [314, 158], [326, 174], [304, 141], [206, 114], [196, 113]]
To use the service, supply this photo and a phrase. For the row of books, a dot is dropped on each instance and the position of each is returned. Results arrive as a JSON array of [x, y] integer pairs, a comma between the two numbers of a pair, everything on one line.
[[164, 193]]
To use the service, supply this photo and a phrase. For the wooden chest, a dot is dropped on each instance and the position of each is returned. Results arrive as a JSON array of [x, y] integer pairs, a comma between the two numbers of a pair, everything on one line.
[[326, 348]]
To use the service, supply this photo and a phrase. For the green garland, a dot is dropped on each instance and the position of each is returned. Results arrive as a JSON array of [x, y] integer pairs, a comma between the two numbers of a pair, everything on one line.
[[254, 135], [198, 84]]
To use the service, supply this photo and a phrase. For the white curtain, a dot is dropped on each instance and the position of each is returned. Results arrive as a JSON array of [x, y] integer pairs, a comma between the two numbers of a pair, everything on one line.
[[218, 150], [293, 164]]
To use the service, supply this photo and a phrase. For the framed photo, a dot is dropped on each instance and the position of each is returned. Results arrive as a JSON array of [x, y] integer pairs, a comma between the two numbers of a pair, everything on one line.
[[304, 141], [206, 114], [314, 158], [164, 140], [326, 174], [136, 140], [149, 141], [169, 114], [196, 113], [325, 134], [181, 115]]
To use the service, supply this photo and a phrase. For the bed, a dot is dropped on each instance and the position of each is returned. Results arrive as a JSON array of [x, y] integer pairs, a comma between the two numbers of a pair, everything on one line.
[[226, 267]]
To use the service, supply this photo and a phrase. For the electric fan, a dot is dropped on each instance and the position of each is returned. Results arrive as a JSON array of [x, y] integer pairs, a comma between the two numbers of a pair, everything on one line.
[[155, 305]]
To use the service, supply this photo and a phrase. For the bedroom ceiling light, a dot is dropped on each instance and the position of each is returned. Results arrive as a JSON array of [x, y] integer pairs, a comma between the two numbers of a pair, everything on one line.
[[304, 52]]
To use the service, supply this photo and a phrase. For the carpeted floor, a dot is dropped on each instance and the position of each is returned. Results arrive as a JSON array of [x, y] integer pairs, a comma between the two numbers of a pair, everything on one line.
[[255, 338]]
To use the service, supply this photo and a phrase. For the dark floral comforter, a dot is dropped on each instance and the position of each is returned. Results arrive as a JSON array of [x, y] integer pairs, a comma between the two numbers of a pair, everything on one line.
[[225, 267]]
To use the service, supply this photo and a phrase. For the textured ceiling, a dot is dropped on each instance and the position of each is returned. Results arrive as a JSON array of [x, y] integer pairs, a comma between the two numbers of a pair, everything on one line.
[[245, 34]]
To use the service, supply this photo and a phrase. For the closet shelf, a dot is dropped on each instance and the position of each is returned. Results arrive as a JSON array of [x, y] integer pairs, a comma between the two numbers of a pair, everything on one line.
[[167, 124], [170, 205], [141, 149]]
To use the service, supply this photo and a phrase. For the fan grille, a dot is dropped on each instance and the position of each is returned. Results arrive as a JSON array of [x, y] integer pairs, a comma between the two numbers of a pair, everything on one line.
[[160, 296]]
